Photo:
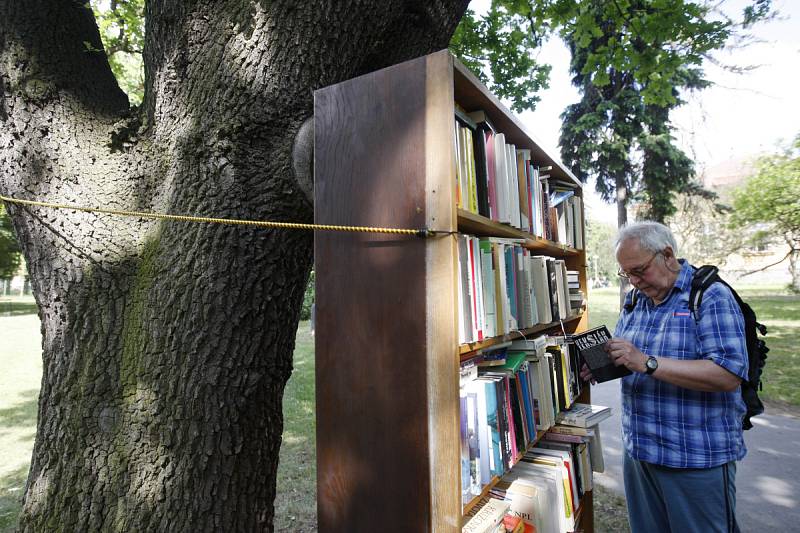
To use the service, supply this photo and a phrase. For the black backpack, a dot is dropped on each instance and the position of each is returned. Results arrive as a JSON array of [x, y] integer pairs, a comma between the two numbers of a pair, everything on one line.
[[757, 349]]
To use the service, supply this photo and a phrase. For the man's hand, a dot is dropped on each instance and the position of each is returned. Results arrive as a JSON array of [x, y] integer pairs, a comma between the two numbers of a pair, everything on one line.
[[624, 353], [586, 374]]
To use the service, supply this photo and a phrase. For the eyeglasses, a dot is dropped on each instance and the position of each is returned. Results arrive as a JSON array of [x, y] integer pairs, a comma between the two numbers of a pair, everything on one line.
[[638, 271]]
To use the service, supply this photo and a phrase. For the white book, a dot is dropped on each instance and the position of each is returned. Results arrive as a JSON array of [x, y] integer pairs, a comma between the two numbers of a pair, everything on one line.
[[487, 517], [578, 204], [464, 329], [561, 286], [557, 516], [533, 310], [596, 449], [523, 295], [488, 280], [524, 183], [475, 259], [584, 415], [501, 179], [513, 184]]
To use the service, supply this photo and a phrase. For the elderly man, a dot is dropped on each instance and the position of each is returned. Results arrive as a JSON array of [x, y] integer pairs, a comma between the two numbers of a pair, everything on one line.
[[681, 407]]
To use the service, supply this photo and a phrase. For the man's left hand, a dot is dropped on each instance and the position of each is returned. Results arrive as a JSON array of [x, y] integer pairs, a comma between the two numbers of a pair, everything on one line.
[[623, 352]]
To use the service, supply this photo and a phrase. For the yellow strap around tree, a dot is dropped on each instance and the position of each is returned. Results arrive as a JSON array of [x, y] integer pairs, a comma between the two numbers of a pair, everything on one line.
[[423, 232]]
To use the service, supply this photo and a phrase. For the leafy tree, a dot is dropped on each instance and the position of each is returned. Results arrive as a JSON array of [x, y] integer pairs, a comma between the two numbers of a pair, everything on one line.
[[499, 48], [700, 225], [10, 257], [619, 133], [121, 24], [768, 200]]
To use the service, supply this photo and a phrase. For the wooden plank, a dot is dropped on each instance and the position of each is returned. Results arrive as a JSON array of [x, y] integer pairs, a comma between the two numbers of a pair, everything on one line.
[[465, 350], [442, 299], [480, 226], [373, 456]]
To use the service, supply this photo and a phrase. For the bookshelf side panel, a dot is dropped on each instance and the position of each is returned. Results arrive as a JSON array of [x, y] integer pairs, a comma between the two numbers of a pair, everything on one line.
[[442, 298], [372, 384]]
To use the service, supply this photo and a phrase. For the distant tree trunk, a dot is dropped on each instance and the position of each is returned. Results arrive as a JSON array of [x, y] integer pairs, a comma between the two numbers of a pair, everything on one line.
[[794, 268], [167, 345], [622, 219]]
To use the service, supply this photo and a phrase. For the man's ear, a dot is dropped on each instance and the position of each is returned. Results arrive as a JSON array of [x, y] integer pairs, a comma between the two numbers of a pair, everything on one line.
[[669, 254]]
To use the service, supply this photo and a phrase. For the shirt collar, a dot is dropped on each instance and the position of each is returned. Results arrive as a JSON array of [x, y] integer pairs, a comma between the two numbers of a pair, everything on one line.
[[684, 280]]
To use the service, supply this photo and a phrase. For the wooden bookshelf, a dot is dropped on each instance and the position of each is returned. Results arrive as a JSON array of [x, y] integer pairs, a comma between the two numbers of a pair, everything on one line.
[[387, 351]]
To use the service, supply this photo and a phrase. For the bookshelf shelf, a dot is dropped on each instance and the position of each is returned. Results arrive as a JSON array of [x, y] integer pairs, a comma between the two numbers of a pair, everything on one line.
[[471, 348], [480, 226], [387, 312]]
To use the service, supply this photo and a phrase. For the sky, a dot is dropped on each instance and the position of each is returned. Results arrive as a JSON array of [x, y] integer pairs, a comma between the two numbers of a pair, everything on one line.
[[742, 115]]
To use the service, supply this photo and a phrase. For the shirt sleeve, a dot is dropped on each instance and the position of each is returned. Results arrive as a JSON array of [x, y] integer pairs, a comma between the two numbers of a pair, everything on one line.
[[720, 330]]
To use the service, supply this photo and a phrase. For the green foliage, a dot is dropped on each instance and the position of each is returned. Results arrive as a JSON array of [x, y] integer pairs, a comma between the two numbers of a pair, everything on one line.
[[503, 41], [768, 201], [630, 61], [121, 24], [10, 256], [771, 195], [308, 298]]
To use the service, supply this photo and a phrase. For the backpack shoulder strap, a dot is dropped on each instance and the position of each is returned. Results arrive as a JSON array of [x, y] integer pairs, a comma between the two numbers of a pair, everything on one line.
[[702, 279], [632, 304]]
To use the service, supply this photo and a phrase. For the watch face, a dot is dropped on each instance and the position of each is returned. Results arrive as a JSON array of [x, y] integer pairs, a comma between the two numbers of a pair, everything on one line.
[[652, 363]]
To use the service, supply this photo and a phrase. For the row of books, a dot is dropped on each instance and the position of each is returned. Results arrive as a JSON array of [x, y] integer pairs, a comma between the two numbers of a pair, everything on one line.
[[508, 396], [503, 287], [499, 181], [546, 487]]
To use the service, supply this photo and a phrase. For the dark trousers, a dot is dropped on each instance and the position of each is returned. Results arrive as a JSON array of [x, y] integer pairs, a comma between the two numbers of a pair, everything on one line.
[[680, 500]]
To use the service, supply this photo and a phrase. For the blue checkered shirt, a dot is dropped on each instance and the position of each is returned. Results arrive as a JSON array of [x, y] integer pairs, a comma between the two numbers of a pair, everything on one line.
[[669, 425]]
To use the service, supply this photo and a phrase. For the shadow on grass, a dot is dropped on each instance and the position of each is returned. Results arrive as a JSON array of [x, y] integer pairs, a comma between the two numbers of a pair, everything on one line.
[[22, 414], [12, 485], [18, 308]]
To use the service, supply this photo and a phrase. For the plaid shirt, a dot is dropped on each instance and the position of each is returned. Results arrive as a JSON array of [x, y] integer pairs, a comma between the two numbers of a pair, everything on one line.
[[669, 425]]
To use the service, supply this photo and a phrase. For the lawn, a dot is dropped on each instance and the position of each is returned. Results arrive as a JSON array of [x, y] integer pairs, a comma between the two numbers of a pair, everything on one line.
[[295, 505]]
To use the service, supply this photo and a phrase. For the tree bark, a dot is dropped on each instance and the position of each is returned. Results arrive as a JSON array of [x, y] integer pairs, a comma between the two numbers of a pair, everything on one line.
[[167, 345]]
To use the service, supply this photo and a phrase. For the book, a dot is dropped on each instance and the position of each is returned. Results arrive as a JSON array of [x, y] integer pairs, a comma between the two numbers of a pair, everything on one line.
[[591, 349], [583, 415], [487, 516], [513, 524]]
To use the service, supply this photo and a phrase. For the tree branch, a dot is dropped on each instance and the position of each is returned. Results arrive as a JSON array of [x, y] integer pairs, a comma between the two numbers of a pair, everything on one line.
[[785, 257]]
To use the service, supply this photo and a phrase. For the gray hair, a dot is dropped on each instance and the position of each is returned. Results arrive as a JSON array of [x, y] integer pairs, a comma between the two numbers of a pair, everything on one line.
[[652, 236]]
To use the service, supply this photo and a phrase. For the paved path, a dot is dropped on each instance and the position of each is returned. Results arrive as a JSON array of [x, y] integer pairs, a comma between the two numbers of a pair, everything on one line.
[[767, 479]]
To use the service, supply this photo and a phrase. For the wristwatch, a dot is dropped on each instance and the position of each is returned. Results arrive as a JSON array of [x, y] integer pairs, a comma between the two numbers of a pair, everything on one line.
[[651, 365]]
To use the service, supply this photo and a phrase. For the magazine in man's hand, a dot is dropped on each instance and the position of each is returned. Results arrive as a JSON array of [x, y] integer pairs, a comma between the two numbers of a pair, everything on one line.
[[591, 347]]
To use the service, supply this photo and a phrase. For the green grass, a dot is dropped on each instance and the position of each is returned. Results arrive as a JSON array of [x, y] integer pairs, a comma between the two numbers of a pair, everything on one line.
[[20, 359], [780, 312], [604, 307], [296, 501]]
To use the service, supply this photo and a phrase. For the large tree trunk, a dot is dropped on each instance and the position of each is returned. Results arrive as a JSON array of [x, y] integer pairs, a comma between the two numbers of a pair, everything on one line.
[[167, 345]]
